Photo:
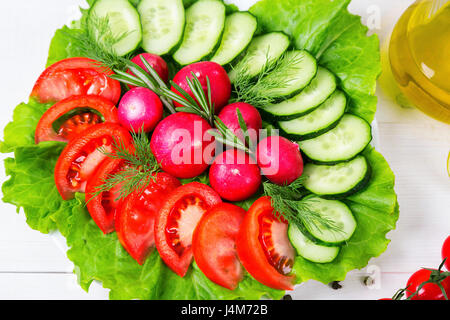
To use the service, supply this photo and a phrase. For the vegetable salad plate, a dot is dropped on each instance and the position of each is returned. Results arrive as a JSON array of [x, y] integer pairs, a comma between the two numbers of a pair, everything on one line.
[[190, 150]]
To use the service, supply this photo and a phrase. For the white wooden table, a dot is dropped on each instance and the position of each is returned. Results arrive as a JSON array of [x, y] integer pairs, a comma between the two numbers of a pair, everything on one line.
[[33, 267]]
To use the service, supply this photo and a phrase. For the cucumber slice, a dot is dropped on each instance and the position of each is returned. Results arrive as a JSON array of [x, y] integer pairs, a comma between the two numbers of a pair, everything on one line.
[[320, 88], [162, 24], [337, 181], [316, 123], [336, 211], [239, 30], [310, 250], [303, 68], [262, 50], [205, 21], [350, 137], [123, 19]]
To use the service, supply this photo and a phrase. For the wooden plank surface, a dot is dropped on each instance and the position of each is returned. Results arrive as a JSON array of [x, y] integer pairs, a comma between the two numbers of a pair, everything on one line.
[[33, 267]]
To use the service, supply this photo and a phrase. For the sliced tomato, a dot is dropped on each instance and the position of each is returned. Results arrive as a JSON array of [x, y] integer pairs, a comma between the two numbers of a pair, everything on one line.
[[83, 154], [264, 248], [135, 220], [103, 207], [176, 221], [74, 77], [94, 110], [214, 245]]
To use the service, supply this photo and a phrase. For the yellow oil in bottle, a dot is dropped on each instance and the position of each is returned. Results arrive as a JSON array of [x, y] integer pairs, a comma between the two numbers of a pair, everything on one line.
[[419, 54]]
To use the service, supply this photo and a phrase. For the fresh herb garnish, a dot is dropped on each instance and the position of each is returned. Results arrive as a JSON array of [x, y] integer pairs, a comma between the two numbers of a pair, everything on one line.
[[227, 137], [201, 104], [140, 167], [288, 202], [142, 78], [261, 91], [96, 41]]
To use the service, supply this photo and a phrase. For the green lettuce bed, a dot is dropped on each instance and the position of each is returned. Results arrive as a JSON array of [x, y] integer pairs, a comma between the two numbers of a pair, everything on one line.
[[326, 29]]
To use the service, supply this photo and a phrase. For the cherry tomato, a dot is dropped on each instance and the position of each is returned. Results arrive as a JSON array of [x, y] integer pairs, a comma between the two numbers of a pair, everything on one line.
[[446, 253], [157, 63], [176, 221], [135, 218], [81, 157], [264, 248], [103, 207], [69, 123], [218, 78], [76, 76], [430, 291], [214, 245]]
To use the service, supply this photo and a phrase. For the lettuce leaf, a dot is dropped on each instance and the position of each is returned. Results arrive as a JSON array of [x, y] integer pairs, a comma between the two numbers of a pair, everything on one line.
[[376, 212], [325, 28], [20, 131], [31, 184], [62, 46]]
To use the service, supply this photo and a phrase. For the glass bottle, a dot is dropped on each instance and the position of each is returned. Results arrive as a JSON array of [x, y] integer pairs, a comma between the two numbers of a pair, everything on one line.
[[419, 54]]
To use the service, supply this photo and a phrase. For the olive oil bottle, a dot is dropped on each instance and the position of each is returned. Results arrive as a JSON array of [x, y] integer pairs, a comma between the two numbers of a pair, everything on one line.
[[419, 54]]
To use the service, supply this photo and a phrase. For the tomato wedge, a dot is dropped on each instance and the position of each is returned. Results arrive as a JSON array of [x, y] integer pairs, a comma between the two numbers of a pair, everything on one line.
[[81, 157], [176, 221], [214, 245], [135, 220], [264, 248], [71, 123], [103, 207], [76, 76]]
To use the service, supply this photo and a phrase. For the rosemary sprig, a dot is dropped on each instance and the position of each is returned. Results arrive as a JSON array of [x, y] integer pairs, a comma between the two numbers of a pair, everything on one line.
[[262, 90], [288, 202], [140, 167], [200, 104], [96, 41], [244, 129], [227, 137]]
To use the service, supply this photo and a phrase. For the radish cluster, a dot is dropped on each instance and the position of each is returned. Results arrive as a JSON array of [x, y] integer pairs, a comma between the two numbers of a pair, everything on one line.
[[183, 147]]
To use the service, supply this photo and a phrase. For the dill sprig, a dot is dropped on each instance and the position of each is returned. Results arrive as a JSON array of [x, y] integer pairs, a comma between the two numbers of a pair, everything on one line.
[[140, 167], [96, 41], [262, 90], [288, 202]]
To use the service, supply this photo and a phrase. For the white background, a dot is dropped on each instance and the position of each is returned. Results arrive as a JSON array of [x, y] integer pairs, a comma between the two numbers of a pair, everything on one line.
[[33, 267]]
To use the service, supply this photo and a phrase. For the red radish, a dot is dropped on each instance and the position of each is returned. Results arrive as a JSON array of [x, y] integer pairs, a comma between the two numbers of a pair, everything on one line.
[[218, 78], [140, 107], [235, 175], [155, 61], [251, 117], [182, 145], [280, 160]]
